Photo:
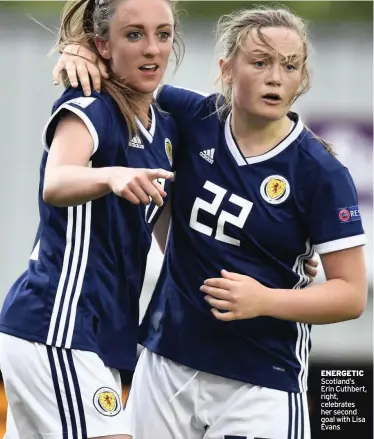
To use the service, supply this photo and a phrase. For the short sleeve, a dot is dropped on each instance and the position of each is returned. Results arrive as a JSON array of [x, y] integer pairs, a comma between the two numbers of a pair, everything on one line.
[[181, 103], [91, 110], [334, 219]]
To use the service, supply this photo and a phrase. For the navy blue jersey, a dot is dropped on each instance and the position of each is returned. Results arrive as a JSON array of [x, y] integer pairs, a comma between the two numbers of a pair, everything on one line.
[[260, 216], [82, 286]]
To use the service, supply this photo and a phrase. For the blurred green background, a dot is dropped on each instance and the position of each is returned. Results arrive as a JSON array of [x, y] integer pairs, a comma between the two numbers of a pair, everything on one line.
[[311, 10]]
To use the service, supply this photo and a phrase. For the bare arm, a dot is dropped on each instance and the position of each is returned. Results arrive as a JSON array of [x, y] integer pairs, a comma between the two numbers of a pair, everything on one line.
[[69, 181], [161, 228], [342, 297]]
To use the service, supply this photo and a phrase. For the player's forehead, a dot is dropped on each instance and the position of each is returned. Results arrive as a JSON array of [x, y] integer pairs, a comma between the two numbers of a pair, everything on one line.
[[144, 13], [274, 41]]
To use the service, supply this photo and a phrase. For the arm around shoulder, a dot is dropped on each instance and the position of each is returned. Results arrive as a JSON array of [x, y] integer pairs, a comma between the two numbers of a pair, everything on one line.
[[180, 102]]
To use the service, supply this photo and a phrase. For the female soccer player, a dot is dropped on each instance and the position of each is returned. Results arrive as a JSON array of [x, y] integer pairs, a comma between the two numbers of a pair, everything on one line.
[[227, 333], [103, 156]]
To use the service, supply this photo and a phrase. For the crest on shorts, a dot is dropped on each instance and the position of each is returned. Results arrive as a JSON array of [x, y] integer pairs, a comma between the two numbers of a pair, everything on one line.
[[169, 151], [275, 189], [107, 401]]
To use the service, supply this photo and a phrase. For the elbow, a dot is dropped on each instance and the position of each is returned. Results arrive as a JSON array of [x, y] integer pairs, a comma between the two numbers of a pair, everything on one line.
[[357, 311], [51, 194], [358, 305], [49, 197], [48, 194]]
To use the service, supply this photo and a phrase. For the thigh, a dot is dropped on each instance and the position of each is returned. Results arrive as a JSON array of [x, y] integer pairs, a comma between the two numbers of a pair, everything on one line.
[[58, 393], [243, 411], [161, 402]]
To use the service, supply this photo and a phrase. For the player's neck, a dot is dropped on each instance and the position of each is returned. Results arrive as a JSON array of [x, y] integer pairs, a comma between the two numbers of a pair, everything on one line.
[[143, 105], [256, 137]]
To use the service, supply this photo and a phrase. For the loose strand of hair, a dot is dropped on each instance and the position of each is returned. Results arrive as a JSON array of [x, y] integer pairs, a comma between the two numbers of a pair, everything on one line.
[[328, 146], [88, 26], [124, 98], [68, 15]]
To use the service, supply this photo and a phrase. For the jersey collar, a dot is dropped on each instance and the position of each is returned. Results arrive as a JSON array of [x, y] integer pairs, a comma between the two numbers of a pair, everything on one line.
[[241, 160], [148, 134]]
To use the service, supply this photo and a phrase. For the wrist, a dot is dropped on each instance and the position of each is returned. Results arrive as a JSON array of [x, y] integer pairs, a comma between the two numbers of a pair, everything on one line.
[[104, 178], [268, 303]]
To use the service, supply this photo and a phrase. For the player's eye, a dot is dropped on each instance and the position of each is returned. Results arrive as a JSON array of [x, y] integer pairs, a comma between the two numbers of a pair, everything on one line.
[[164, 35], [134, 36], [290, 67], [259, 64]]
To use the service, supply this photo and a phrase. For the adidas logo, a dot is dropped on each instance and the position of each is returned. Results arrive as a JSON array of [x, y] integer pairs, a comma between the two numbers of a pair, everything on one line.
[[208, 155], [136, 142]]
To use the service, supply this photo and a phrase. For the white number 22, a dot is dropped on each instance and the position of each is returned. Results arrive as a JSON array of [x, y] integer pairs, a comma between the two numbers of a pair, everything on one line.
[[224, 217]]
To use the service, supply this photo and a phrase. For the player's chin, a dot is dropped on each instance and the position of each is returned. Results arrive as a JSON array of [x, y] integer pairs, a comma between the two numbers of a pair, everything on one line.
[[147, 84], [146, 88], [272, 114]]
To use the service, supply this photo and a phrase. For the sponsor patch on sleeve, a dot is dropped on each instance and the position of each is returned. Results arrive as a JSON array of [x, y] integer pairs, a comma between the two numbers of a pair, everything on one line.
[[349, 214], [82, 102]]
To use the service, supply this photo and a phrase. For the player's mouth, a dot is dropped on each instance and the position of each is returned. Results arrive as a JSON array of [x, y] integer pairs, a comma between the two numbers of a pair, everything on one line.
[[272, 98], [149, 69]]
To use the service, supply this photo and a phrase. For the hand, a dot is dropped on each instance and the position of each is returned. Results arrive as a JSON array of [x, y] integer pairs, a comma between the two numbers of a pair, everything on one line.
[[311, 269], [241, 297], [82, 61], [138, 185]]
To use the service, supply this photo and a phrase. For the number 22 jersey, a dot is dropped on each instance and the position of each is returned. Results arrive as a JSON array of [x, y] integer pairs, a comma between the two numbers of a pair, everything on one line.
[[261, 216]]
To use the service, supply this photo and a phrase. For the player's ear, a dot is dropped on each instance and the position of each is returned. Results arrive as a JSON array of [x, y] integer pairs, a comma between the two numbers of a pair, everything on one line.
[[103, 48], [226, 70]]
